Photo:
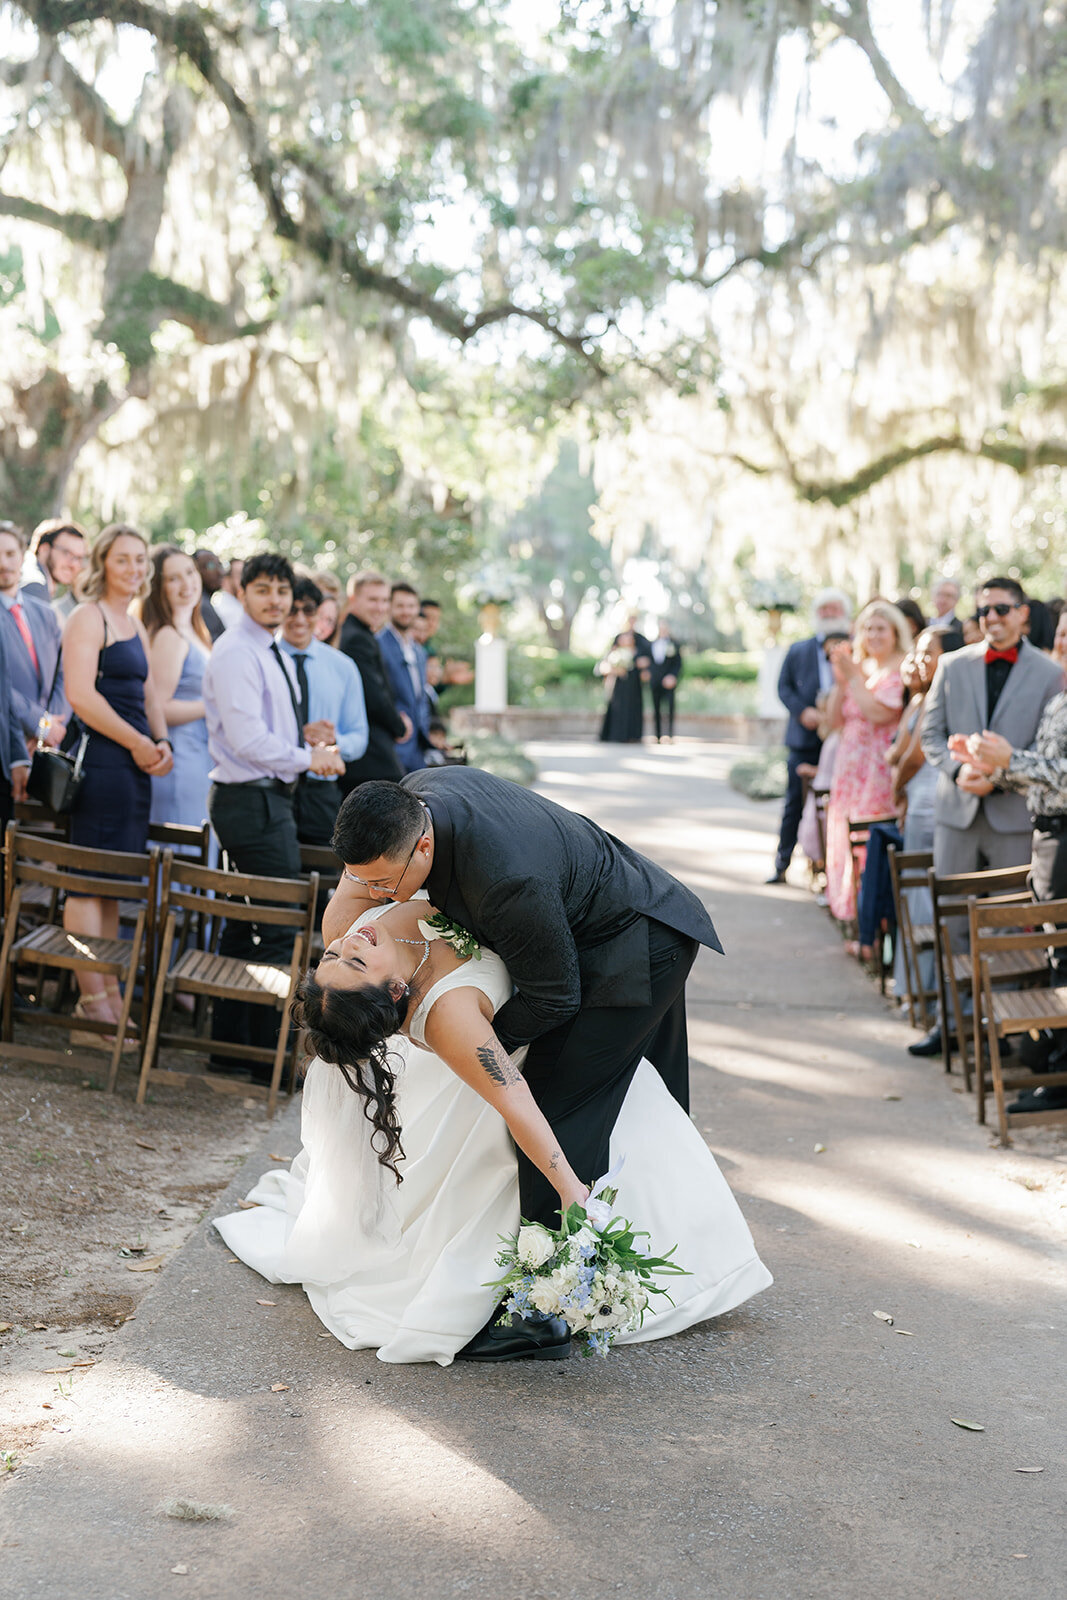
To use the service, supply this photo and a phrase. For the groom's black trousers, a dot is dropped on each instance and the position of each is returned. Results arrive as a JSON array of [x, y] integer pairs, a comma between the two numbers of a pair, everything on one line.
[[579, 1073]]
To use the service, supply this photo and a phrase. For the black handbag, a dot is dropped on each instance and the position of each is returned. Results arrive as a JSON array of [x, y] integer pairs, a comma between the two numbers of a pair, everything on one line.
[[56, 775]]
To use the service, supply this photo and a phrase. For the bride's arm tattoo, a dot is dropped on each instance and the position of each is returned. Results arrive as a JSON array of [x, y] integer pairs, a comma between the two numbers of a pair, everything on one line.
[[497, 1064], [554, 1163]]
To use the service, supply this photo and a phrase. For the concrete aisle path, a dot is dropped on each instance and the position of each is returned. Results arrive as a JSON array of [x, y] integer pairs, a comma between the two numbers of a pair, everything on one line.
[[800, 1447]]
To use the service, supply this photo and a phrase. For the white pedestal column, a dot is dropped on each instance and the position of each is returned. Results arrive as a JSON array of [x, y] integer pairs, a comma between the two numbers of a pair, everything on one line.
[[490, 674]]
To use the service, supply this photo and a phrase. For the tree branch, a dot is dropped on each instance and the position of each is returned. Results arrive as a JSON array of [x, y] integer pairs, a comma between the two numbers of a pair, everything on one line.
[[1022, 457], [97, 232]]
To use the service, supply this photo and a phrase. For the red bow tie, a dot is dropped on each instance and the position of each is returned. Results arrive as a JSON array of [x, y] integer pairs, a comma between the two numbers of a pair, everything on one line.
[[1002, 655]]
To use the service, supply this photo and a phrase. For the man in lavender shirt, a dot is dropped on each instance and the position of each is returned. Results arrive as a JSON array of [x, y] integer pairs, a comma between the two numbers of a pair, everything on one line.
[[256, 738]]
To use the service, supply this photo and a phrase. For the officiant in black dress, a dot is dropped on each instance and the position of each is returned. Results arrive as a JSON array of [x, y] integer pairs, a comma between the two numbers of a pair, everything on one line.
[[625, 669]]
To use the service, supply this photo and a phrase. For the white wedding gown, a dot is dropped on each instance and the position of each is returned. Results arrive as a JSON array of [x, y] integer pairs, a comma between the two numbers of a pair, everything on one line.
[[403, 1270]]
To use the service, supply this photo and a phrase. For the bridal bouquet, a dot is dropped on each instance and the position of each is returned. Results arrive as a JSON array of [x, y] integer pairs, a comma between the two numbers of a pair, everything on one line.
[[587, 1271], [617, 662]]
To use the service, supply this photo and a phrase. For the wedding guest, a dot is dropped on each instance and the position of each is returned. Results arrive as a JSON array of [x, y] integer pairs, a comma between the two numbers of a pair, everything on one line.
[[1059, 642], [944, 598], [999, 686], [257, 744], [624, 715], [865, 705], [32, 631], [328, 621], [14, 767], [1040, 626], [57, 556], [1040, 775], [405, 664], [971, 628], [332, 711], [225, 601], [368, 612], [915, 619], [211, 574], [664, 671], [806, 673], [111, 687], [179, 646]]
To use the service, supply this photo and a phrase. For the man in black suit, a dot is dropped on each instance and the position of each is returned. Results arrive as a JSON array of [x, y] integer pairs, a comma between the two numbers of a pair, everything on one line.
[[598, 940], [805, 674], [368, 613], [664, 672]]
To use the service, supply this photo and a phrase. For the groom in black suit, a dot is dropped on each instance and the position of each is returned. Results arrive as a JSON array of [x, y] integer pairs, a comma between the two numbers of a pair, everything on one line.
[[598, 941]]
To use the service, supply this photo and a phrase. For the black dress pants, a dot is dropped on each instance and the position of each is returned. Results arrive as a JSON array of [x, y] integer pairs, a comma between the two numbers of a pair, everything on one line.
[[317, 802], [579, 1073], [663, 709], [7, 811], [257, 828], [793, 806]]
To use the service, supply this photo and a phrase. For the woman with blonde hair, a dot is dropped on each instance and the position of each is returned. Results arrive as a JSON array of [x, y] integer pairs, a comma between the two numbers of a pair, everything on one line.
[[865, 704], [109, 684], [179, 648]]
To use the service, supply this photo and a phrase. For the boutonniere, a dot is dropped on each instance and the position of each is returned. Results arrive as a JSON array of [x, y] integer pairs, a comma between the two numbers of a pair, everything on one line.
[[462, 941]]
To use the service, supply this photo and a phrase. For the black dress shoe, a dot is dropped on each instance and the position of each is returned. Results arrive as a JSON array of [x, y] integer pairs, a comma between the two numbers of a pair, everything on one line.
[[1054, 1098], [931, 1045], [521, 1339], [776, 877]]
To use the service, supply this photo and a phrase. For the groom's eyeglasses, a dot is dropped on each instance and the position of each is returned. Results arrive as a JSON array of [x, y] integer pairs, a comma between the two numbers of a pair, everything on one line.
[[1001, 609], [383, 888]]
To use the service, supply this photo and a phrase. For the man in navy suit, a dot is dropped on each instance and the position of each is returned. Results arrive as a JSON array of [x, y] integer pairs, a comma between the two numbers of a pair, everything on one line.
[[14, 763], [32, 633], [805, 673], [405, 664]]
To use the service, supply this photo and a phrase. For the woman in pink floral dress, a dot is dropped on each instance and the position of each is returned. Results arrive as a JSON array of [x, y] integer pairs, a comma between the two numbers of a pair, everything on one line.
[[865, 705]]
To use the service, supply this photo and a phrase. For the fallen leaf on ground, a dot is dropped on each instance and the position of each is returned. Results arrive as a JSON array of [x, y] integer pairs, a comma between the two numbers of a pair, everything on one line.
[[149, 1264], [883, 1316], [266, 1302], [61, 1427], [6, 1327], [1029, 1469], [1018, 1557], [819, 1148], [144, 1144], [972, 1427], [904, 1332], [246, 1205], [278, 1388], [913, 1244], [68, 1355], [59, 1371], [279, 1158], [40, 1327], [133, 1250], [230, 1260], [179, 1568], [891, 1097]]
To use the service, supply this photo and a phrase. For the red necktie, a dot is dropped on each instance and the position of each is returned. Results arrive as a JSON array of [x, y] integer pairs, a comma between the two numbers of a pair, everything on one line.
[[1011, 655], [27, 637]]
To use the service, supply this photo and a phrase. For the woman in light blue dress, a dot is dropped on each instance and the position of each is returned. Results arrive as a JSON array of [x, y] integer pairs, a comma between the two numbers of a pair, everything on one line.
[[180, 645]]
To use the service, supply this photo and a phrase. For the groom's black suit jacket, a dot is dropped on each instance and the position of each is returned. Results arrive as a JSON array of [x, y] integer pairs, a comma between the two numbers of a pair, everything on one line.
[[562, 902]]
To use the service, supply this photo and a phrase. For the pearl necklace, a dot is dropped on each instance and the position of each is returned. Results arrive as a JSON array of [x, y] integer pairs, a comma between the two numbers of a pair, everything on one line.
[[425, 957]]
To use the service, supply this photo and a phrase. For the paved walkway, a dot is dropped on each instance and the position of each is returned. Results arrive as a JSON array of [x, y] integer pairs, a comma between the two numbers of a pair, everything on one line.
[[800, 1447]]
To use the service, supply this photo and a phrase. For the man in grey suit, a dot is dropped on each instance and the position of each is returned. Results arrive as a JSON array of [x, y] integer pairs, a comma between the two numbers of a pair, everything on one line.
[[32, 632], [1001, 686]]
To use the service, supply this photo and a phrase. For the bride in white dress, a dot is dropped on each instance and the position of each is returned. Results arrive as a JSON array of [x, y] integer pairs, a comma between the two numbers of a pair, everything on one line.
[[402, 1268]]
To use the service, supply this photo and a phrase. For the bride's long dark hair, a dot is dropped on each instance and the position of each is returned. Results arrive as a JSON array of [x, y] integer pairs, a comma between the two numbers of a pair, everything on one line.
[[349, 1028]]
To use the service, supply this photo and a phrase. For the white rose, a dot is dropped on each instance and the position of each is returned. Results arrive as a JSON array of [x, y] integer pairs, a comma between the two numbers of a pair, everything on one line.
[[534, 1245], [428, 932], [543, 1296]]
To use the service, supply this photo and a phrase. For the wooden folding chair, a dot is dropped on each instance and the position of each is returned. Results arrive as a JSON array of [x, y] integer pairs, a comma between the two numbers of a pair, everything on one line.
[[908, 870], [107, 875], [321, 859], [955, 971], [237, 897], [996, 930]]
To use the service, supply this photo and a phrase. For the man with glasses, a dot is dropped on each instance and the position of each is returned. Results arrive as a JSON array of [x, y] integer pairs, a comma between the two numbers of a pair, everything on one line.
[[999, 686], [58, 552], [332, 711]]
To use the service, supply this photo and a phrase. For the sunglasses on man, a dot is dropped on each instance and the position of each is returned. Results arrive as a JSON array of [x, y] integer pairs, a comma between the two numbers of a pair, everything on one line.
[[1001, 609]]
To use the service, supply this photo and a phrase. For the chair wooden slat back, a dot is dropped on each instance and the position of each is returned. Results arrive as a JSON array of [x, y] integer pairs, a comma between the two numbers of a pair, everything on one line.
[[994, 929], [244, 897], [908, 870], [33, 860], [949, 895]]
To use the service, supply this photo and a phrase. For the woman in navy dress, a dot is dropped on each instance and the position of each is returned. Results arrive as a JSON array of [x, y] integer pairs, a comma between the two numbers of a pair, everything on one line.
[[109, 684]]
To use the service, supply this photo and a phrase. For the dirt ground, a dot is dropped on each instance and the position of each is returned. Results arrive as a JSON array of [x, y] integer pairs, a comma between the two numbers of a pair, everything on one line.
[[96, 1194]]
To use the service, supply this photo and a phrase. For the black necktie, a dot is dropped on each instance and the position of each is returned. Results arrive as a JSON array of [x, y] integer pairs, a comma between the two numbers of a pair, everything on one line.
[[276, 653], [305, 694]]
